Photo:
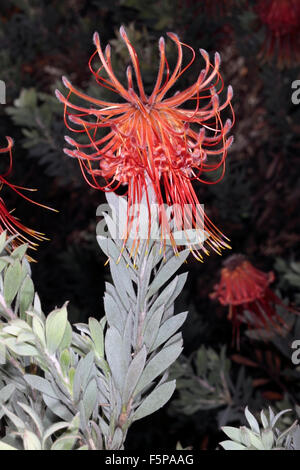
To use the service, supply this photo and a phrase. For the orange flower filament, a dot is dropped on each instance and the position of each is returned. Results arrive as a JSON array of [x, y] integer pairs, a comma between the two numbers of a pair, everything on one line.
[[7, 221], [153, 140]]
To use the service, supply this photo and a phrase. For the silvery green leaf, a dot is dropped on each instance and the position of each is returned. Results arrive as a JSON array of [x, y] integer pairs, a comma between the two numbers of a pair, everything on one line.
[[65, 360], [168, 328], [34, 416], [39, 330], [80, 344], [26, 295], [152, 327], [117, 440], [58, 408], [3, 264], [275, 418], [267, 438], [164, 296], [167, 270], [115, 356], [67, 337], [233, 433], [144, 274], [37, 305], [113, 313], [56, 323], [133, 374], [66, 442], [108, 247], [19, 252], [6, 392], [104, 427], [82, 375], [255, 440], [113, 228], [83, 328], [264, 419], [177, 338], [12, 281], [245, 437], [12, 329], [97, 336], [271, 415], [26, 268], [2, 353], [230, 445], [158, 364], [157, 398], [4, 446], [40, 384], [31, 441], [103, 365], [120, 272], [23, 325], [127, 338], [90, 398], [21, 349], [52, 429], [82, 415], [121, 290], [252, 421], [285, 433], [2, 240], [25, 337], [296, 437], [14, 419], [181, 280]]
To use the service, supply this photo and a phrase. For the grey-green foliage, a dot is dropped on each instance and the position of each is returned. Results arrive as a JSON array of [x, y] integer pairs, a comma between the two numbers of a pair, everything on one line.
[[262, 437], [204, 382], [39, 116], [289, 274], [142, 338], [65, 389]]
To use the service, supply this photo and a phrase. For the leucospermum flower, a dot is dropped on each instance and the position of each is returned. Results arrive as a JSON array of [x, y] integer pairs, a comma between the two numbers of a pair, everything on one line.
[[8, 222], [159, 140], [282, 20], [243, 287]]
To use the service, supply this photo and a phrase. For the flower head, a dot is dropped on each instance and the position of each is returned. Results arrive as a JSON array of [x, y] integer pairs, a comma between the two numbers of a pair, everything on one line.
[[282, 20], [243, 287], [10, 223], [156, 140]]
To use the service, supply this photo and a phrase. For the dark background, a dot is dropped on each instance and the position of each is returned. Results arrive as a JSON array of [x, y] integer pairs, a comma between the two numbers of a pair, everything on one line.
[[256, 205]]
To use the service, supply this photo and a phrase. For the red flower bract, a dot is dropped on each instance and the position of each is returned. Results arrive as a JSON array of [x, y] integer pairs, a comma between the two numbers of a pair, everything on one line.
[[154, 140], [282, 19], [244, 287], [7, 221]]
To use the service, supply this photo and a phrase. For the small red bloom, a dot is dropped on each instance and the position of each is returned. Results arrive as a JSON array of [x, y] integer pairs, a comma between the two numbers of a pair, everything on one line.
[[7, 221], [282, 20], [153, 140], [243, 287]]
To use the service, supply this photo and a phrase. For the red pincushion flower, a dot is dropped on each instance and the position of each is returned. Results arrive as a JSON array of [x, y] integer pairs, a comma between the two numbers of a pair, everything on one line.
[[244, 287], [154, 140], [282, 19], [7, 221]]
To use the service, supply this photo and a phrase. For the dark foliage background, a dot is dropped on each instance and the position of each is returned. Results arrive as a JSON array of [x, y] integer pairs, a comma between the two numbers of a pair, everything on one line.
[[257, 203]]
